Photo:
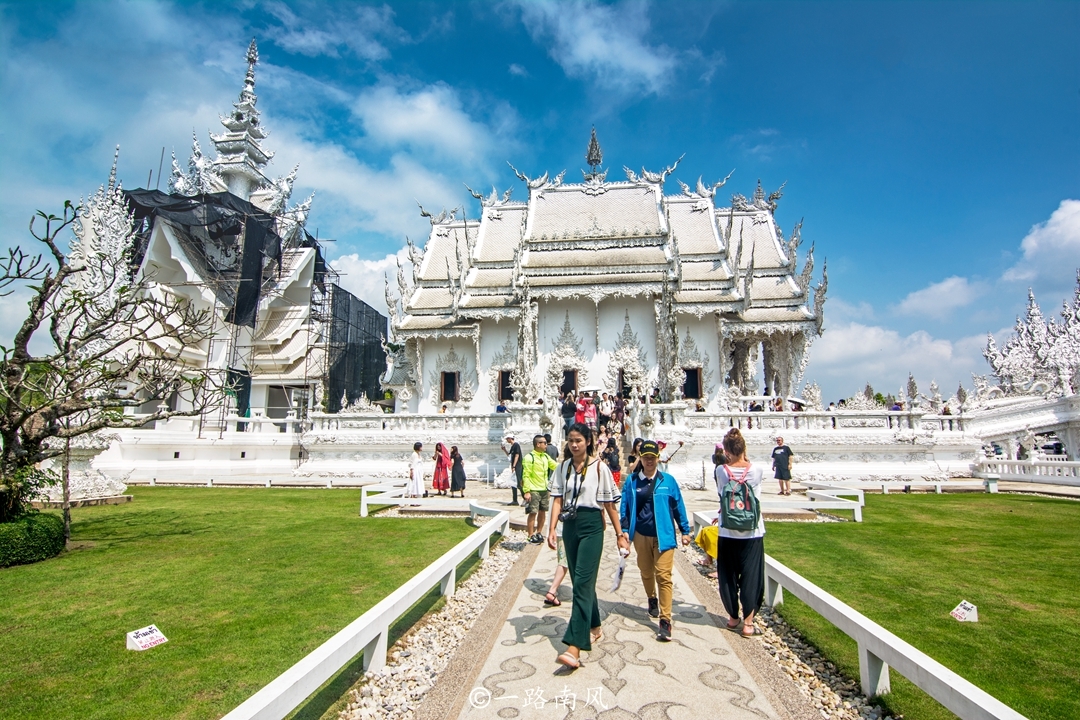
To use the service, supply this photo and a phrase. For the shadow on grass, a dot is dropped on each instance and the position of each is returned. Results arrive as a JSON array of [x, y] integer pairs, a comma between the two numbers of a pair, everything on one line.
[[331, 699]]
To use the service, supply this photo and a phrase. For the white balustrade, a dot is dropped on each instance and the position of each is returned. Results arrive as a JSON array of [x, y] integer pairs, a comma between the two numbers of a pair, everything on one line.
[[368, 633], [1051, 472]]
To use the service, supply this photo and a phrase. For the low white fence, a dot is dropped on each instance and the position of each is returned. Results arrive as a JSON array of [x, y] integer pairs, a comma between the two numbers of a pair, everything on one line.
[[394, 494], [1051, 472], [988, 484], [879, 649], [368, 633], [826, 497]]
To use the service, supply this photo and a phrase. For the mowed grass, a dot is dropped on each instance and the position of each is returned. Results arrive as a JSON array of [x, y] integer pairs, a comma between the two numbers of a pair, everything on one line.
[[243, 583], [915, 557]]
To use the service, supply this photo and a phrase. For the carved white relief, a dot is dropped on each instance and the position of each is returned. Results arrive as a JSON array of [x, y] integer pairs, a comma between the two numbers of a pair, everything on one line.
[[450, 361], [1041, 355], [629, 357], [505, 359], [691, 357], [566, 355]]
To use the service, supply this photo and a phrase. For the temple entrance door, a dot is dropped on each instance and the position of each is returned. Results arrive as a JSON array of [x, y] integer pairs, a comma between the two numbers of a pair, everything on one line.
[[449, 387], [569, 381], [691, 389], [622, 388], [506, 392]]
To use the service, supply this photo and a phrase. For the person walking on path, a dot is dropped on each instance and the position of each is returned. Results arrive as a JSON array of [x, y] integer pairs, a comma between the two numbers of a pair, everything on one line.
[[551, 450], [457, 472], [415, 487], [537, 468], [582, 490], [741, 553], [610, 455], [440, 480], [515, 465], [652, 512], [781, 462], [569, 409]]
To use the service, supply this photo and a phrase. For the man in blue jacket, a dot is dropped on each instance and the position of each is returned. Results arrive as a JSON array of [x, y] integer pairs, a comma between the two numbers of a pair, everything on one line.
[[652, 510]]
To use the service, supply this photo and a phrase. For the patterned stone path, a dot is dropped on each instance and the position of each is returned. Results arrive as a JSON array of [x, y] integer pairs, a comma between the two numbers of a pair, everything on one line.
[[629, 675]]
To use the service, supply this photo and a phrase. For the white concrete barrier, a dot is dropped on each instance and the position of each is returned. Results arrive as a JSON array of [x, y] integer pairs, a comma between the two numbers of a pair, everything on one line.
[[879, 649], [368, 633]]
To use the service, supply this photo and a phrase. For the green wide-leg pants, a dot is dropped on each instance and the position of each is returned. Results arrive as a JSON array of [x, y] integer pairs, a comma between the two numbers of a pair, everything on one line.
[[583, 539]]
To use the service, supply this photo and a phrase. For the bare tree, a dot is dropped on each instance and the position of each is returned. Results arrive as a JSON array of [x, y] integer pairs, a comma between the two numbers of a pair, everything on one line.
[[116, 341]]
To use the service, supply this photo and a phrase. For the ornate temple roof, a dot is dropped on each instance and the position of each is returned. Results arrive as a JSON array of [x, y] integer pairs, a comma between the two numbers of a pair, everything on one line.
[[598, 239]]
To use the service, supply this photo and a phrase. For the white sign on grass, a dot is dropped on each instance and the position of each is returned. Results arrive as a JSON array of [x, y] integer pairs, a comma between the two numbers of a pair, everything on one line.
[[966, 612], [145, 638]]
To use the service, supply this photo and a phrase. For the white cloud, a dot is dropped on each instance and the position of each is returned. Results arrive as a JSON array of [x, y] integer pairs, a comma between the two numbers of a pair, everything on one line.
[[605, 44], [365, 278], [850, 354], [353, 29], [517, 70], [432, 118], [1051, 249], [939, 299]]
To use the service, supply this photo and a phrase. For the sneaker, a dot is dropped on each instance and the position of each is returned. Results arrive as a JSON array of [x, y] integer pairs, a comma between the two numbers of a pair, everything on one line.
[[665, 631], [654, 607]]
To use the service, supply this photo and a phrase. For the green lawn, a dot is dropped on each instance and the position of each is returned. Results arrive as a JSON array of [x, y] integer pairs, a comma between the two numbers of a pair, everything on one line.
[[242, 582], [915, 557]]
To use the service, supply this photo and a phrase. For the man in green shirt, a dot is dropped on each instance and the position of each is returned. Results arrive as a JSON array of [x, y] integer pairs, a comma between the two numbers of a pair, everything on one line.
[[536, 467]]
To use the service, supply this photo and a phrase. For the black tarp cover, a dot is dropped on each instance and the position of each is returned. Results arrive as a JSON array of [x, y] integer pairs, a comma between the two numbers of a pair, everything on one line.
[[210, 225]]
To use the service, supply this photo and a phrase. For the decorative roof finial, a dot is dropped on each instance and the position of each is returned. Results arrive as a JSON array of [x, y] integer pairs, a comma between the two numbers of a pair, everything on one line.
[[248, 92], [112, 172], [759, 194], [594, 156]]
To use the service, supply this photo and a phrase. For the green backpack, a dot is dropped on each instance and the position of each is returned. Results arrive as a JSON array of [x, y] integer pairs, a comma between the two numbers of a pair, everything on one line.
[[739, 507]]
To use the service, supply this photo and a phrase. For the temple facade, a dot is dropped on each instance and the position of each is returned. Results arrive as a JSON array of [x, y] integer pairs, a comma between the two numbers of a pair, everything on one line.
[[615, 285]]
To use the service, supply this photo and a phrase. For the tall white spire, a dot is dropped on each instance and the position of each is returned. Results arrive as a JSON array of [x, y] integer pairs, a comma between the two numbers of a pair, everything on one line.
[[241, 158]]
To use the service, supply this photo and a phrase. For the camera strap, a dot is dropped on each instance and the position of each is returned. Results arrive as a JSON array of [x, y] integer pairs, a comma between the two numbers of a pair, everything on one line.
[[579, 481]]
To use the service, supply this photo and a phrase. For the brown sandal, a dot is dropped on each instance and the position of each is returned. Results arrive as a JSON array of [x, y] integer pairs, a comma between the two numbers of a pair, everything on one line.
[[569, 661]]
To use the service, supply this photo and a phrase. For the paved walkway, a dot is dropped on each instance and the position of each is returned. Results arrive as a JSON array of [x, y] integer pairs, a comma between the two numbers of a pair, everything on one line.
[[628, 675]]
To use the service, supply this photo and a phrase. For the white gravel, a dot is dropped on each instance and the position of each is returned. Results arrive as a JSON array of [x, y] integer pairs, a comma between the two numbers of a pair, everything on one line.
[[417, 659]]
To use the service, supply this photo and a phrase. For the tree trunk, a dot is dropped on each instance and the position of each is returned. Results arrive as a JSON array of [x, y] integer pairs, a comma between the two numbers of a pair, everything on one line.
[[66, 477]]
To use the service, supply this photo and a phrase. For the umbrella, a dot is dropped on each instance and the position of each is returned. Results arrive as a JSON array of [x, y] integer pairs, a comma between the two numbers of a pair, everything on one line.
[[592, 388]]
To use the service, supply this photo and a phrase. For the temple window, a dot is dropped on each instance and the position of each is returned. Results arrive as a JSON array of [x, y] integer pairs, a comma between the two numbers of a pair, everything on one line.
[[449, 387], [691, 388], [506, 391]]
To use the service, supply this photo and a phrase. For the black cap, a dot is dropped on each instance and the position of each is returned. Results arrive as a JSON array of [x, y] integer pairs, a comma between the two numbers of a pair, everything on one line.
[[649, 447]]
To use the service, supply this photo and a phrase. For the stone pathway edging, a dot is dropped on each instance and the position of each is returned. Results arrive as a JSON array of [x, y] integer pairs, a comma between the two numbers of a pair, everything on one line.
[[783, 653], [777, 686], [451, 690]]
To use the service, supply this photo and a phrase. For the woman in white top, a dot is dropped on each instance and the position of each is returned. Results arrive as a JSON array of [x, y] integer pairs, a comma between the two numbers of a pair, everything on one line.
[[741, 553], [415, 488], [583, 487]]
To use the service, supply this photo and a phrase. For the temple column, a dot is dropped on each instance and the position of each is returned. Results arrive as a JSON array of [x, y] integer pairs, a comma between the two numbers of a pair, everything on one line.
[[767, 353]]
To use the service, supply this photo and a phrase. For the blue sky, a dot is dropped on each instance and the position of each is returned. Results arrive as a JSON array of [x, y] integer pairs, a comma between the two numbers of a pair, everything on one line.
[[933, 149]]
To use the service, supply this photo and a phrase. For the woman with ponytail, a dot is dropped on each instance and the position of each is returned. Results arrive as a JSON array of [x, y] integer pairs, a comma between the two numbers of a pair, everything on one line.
[[741, 553]]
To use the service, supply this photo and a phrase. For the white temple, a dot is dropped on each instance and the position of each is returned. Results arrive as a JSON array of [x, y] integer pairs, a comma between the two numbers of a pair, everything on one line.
[[610, 284]]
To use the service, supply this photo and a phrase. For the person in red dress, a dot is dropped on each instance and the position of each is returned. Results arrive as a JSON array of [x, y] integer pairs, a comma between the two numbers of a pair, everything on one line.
[[441, 481]]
